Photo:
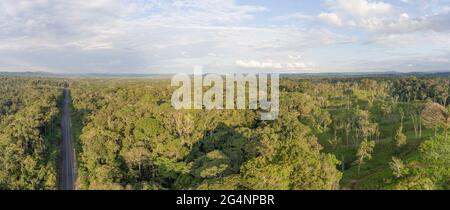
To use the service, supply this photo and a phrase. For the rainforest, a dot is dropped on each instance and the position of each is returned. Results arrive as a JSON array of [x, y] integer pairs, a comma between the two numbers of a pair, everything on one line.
[[333, 133]]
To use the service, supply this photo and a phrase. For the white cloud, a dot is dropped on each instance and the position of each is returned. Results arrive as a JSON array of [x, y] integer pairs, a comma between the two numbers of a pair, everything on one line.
[[383, 18], [277, 66], [358, 13], [331, 18], [362, 8], [259, 64], [295, 57], [300, 66]]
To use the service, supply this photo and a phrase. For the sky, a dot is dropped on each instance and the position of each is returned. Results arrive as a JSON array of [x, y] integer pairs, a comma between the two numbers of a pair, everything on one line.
[[173, 36]]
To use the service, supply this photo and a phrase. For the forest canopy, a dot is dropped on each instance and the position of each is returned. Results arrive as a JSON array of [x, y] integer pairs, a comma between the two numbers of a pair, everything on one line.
[[332, 133]]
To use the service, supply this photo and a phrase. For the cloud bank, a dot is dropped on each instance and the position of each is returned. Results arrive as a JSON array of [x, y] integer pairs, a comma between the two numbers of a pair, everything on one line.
[[169, 36]]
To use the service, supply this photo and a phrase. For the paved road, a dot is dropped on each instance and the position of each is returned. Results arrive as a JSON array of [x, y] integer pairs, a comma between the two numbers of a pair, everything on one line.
[[67, 168]]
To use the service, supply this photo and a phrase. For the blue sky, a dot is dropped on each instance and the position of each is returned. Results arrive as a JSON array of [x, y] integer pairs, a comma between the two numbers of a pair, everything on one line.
[[170, 36]]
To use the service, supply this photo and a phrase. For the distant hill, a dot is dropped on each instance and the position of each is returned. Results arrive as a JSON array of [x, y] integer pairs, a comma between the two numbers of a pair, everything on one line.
[[370, 74], [30, 74], [165, 76]]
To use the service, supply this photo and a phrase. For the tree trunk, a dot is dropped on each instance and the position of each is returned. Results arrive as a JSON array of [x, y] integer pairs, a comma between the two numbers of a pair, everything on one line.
[[401, 120], [415, 121], [415, 126], [420, 129]]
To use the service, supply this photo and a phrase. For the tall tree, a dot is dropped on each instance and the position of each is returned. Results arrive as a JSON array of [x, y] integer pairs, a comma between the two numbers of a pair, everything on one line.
[[364, 152], [436, 116], [399, 139]]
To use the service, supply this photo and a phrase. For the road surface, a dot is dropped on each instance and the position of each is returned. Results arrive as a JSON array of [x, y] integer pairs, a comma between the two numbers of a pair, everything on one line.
[[67, 168]]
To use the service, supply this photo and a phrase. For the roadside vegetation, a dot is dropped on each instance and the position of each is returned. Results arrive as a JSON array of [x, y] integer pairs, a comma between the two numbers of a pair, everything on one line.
[[29, 132]]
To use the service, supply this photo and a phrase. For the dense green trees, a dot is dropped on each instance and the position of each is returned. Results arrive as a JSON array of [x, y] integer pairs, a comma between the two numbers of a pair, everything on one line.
[[412, 88], [430, 171], [332, 133], [295, 154], [29, 133], [132, 138]]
